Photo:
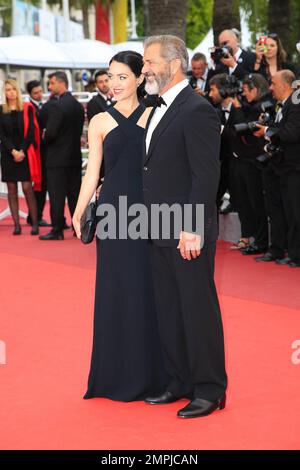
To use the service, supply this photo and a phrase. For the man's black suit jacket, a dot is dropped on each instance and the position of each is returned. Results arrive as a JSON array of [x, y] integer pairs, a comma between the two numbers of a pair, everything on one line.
[[96, 105], [182, 164], [288, 138], [63, 132]]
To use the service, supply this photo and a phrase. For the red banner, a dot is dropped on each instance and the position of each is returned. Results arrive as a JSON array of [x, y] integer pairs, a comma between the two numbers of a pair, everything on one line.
[[102, 23]]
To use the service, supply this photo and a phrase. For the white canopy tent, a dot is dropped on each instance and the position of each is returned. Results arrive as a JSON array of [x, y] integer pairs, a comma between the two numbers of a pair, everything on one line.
[[33, 51], [87, 53]]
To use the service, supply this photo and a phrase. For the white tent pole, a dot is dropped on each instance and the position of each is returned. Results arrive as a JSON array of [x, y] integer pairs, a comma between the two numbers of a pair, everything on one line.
[[66, 12], [133, 20]]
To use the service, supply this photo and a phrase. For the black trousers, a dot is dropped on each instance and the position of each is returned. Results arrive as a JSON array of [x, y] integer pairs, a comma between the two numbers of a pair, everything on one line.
[[276, 213], [40, 196], [63, 182], [190, 323], [251, 202], [290, 193]]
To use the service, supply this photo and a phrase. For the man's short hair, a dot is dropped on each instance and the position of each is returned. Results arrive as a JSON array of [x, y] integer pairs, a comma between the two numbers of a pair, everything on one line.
[[199, 56], [60, 76], [99, 73], [31, 85], [219, 80], [287, 76]]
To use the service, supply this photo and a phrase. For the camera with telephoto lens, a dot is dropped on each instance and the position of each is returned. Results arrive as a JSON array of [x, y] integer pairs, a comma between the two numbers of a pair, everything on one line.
[[219, 53], [273, 151], [267, 118], [230, 87]]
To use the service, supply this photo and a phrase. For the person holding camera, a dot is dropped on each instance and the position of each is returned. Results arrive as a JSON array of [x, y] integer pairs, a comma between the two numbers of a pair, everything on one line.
[[222, 89], [230, 58], [247, 147], [285, 165], [270, 56], [201, 74]]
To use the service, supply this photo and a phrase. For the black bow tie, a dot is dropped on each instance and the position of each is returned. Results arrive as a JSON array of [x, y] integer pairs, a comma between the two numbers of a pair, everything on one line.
[[160, 101]]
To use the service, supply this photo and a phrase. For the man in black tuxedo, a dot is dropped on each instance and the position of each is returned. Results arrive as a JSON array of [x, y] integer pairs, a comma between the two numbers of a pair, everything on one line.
[[225, 108], [181, 165], [102, 101], [240, 63], [201, 74], [286, 167], [35, 91], [63, 140]]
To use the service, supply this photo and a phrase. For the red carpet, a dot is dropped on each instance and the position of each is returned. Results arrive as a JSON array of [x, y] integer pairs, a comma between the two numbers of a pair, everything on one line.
[[46, 302]]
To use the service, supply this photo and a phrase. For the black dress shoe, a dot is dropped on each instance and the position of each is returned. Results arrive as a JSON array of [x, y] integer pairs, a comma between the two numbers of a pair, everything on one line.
[[199, 407], [283, 261], [253, 250], [44, 223], [52, 236], [267, 257], [163, 399], [34, 231], [17, 230], [294, 264]]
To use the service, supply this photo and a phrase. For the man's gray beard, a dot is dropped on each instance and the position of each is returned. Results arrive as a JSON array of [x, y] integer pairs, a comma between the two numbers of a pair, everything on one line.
[[159, 83]]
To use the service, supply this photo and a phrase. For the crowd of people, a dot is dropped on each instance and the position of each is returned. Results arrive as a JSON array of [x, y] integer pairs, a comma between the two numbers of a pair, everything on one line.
[[253, 93]]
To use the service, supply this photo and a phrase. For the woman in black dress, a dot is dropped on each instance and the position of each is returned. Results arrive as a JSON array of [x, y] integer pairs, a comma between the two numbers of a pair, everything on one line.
[[14, 159], [126, 361]]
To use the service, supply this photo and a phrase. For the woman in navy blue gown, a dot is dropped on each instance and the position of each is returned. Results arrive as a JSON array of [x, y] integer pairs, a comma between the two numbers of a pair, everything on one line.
[[126, 360]]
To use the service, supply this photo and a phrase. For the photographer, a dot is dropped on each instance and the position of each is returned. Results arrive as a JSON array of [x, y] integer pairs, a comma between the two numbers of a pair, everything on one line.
[[230, 58], [201, 74], [285, 166], [247, 147], [270, 56], [222, 89]]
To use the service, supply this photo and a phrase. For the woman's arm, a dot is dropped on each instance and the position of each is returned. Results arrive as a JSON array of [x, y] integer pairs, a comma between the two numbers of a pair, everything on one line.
[[4, 138], [91, 178]]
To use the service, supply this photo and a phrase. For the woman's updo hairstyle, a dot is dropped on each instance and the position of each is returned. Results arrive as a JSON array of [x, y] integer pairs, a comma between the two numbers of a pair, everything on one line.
[[134, 61]]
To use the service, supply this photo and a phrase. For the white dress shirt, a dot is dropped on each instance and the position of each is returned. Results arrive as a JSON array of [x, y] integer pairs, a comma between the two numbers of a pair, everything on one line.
[[159, 112], [201, 82]]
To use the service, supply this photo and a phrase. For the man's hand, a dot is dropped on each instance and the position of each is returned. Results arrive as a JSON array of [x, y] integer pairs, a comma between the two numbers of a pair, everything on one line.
[[199, 91], [235, 102], [261, 130], [229, 61], [189, 245]]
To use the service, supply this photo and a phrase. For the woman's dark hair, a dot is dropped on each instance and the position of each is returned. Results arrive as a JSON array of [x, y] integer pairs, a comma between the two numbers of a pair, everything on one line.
[[281, 54], [134, 61], [256, 80]]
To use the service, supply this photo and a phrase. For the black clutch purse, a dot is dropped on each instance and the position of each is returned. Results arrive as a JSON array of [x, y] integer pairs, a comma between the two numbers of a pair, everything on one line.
[[88, 223]]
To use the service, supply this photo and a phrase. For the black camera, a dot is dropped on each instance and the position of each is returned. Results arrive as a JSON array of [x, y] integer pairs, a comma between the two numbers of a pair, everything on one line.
[[230, 87], [222, 52], [272, 149], [267, 118]]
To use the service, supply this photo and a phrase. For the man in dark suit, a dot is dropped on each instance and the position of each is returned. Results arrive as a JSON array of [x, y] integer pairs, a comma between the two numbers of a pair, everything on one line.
[[35, 91], [102, 101], [286, 166], [241, 62], [63, 140], [201, 74], [181, 166], [224, 105]]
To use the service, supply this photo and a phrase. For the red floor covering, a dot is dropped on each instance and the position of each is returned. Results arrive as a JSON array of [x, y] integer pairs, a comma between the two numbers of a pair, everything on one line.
[[46, 314]]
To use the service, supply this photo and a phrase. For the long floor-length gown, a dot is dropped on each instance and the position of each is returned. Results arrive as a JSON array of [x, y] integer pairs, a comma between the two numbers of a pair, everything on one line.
[[126, 360]]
